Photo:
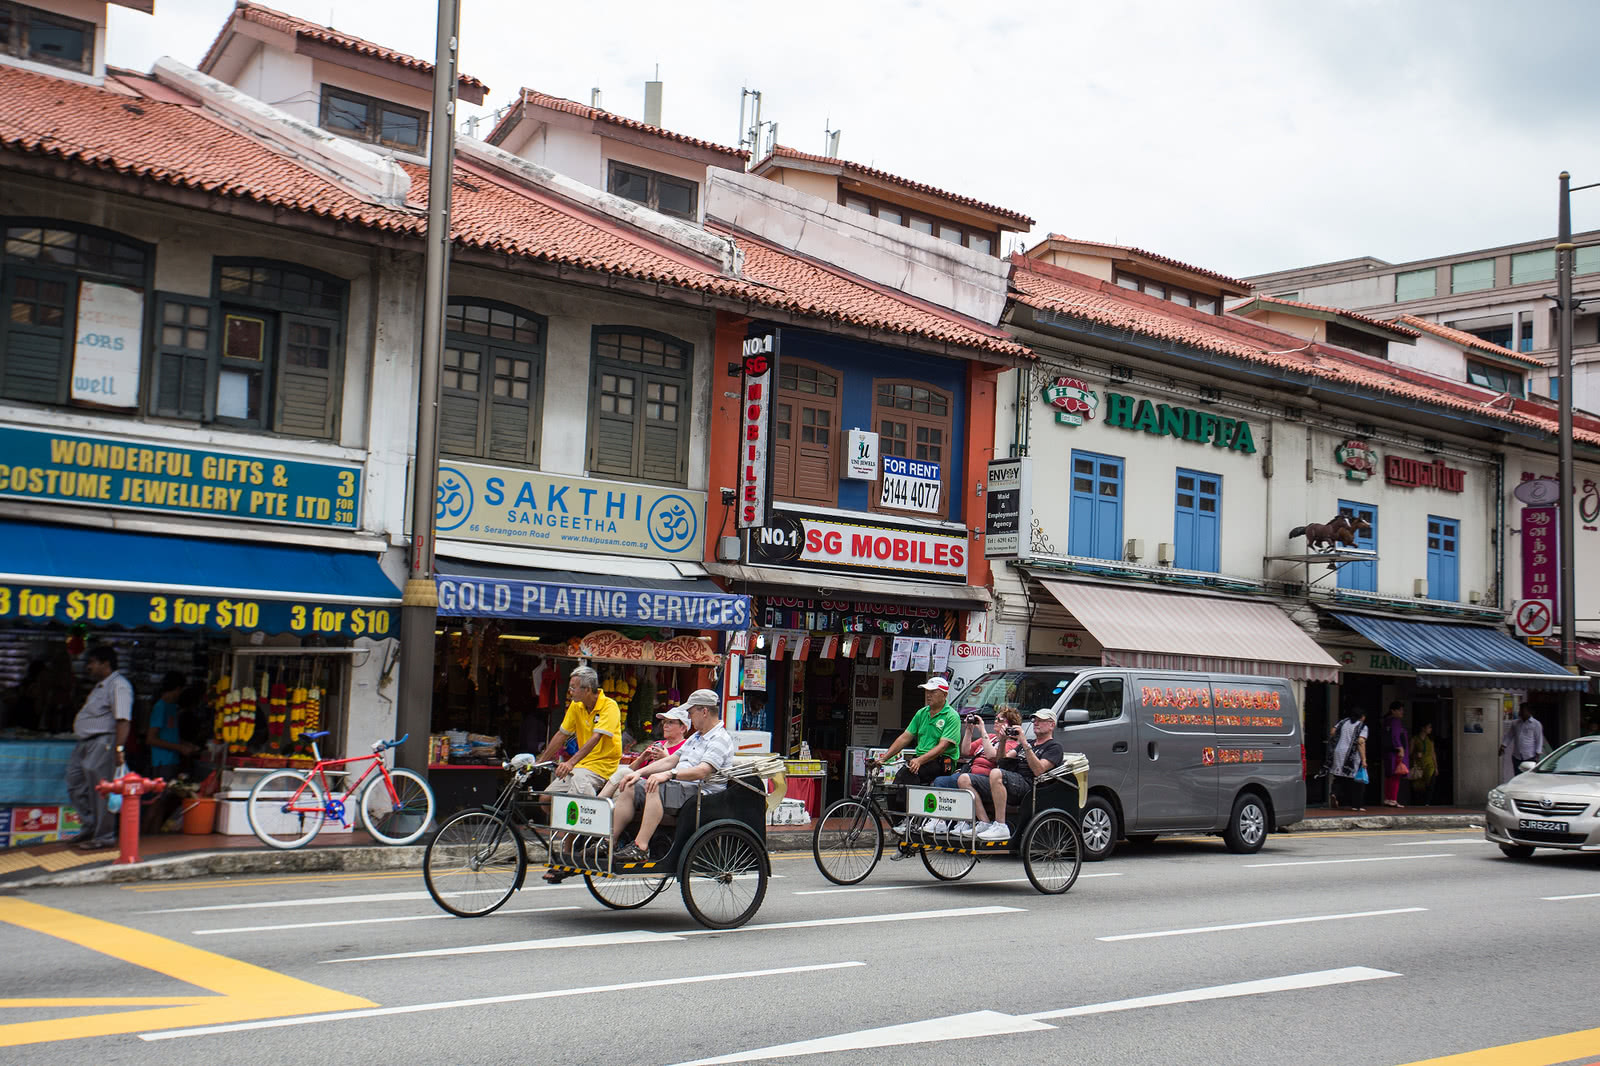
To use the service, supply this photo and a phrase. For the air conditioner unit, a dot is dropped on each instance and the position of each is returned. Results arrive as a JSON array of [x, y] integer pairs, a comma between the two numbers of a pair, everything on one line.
[[1419, 587], [1164, 553], [1135, 550]]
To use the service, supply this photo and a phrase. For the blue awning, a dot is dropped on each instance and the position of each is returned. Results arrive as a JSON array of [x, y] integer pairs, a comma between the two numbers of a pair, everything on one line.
[[484, 591], [1446, 655]]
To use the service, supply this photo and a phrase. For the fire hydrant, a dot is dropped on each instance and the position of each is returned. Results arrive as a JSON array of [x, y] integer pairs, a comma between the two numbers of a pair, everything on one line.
[[130, 787]]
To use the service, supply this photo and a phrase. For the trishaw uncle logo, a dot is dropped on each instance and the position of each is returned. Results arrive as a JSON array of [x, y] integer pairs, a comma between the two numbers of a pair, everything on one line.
[[1073, 399], [930, 803], [572, 814]]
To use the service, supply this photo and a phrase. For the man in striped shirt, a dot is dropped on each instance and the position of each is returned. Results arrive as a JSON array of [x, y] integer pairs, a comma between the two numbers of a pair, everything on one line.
[[673, 780]]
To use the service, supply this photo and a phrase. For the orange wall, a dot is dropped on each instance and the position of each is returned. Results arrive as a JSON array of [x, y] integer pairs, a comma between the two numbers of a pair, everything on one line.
[[723, 436], [981, 382]]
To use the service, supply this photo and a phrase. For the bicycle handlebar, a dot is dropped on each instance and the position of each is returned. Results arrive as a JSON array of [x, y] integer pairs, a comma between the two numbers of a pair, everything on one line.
[[525, 764], [384, 745]]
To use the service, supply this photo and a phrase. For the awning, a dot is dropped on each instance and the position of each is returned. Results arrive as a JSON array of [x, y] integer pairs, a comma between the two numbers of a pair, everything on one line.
[[1588, 654], [477, 590], [1449, 655], [508, 557], [72, 574], [1174, 631]]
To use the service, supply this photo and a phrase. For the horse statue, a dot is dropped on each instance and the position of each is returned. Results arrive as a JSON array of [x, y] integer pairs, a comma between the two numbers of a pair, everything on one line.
[[1325, 536]]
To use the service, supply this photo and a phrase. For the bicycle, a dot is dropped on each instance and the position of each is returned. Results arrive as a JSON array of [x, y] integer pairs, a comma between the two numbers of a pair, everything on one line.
[[288, 807]]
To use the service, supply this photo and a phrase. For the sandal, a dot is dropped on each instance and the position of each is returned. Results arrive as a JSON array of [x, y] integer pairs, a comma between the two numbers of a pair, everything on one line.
[[555, 877]]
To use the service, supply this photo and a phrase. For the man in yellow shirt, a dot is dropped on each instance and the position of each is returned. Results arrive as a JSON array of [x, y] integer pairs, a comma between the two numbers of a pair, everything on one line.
[[595, 721]]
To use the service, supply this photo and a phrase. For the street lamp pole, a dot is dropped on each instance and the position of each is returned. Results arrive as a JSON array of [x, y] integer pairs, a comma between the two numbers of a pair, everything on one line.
[[420, 600], [1564, 255]]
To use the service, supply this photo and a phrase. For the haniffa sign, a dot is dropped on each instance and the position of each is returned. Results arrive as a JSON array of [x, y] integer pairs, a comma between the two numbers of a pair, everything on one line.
[[1164, 420]]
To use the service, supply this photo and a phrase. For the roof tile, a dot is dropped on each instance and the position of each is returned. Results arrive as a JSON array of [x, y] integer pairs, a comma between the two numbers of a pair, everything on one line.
[[1467, 340], [1388, 327], [780, 152], [1162, 259], [573, 107]]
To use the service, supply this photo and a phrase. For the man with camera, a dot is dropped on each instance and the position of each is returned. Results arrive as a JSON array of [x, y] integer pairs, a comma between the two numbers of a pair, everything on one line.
[[1012, 762]]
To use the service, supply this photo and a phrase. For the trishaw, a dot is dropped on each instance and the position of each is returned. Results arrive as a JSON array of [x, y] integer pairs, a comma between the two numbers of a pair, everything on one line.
[[717, 849]]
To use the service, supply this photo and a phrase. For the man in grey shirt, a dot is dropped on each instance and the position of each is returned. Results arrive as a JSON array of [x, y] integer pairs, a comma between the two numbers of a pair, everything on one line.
[[674, 780], [102, 727]]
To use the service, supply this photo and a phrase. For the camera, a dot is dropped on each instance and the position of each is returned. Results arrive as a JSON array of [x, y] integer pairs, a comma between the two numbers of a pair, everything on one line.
[[1014, 731]]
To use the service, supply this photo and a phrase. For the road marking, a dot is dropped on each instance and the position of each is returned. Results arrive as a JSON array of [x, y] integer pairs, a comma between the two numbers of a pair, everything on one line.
[[519, 997], [1433, 843], [1545, 1051], [323, 901], [358, 921], [994, 1023], [643, 936], [1258, 925], [1581, 895], [275, 879], [1333, 862], [929, 884], [239, 991]]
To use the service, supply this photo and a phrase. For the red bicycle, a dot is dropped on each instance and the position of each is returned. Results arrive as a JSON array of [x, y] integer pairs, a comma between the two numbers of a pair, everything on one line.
[[288, 807]]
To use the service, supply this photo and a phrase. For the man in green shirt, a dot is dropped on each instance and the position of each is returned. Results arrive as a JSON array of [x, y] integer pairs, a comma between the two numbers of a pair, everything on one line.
[[935, 737]]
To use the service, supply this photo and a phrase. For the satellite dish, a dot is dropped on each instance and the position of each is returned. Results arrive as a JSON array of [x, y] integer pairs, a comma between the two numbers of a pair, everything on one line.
[[1538, 491]]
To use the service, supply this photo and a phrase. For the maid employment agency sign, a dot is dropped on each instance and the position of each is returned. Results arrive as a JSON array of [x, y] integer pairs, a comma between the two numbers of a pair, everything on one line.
[[527, 508]]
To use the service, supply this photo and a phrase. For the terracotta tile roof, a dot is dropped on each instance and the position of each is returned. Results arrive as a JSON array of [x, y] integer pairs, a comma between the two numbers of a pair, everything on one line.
[[1176, 264], [1274, 301], [780, 152], [573, 107], [1101, 303], [1467, 340], [285, 23]]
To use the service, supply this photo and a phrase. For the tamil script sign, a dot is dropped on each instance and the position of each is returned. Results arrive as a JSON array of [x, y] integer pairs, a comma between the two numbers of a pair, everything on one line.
[[63, 468], [501, 505], [1541, 555], [549, 601]]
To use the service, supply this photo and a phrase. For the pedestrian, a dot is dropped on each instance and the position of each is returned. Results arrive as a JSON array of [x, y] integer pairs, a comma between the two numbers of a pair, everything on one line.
[[1523, 740], [1424, 766], [1348, 764], [168, 749], [102, 727], [1395, 766]]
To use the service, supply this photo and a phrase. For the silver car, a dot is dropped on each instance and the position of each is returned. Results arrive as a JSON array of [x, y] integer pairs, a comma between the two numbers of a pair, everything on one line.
[[1554, 803]]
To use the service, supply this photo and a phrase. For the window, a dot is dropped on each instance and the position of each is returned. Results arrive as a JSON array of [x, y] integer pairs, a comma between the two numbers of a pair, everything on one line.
[[1586, 260], [1528, 267], [1472, 277], [659, 192], [1361, 576], [978, 240], [805, 434], [1357, 341], [1444, 563], [639, 425], [1100, 696], [1496, 378], [1555, 386], [47, 271], [1197, 531], [45, 37], [913, 422], [1416, 285], [490, 382], [1162, 291], [1501, 335], [1094, 522], [366, 118]]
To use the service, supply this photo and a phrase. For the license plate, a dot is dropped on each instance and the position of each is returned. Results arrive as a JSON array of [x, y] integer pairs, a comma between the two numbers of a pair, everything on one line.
[[1535, 823]]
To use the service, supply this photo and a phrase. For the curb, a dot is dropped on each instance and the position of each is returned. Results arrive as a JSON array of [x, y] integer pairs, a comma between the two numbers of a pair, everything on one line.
[[1387, 821]]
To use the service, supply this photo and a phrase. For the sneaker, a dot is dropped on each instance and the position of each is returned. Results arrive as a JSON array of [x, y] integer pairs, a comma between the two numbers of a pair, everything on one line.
[[900, 830], [962, 829], [995, 831], [631, 852], [936, 825]]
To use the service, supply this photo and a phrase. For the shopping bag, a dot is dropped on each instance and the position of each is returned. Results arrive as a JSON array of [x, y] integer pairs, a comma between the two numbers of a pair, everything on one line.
[[114, 801], [1361, 775]]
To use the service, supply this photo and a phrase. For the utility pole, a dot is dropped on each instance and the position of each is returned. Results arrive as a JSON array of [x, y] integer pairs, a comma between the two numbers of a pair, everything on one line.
[[420, 601], [1564, 257]]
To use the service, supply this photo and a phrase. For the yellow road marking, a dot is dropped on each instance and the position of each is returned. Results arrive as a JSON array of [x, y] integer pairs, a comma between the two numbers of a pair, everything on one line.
[[242, 992], [1545, 1051]]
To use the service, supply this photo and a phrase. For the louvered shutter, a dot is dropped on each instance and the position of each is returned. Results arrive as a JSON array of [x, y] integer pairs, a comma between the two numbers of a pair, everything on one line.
[[186, 341], [37, 336], [460, 400], [307, 387], [513, 389], [616, 416]]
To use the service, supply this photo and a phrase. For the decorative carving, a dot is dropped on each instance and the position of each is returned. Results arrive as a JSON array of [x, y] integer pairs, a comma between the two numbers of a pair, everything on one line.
[[1037, 540]]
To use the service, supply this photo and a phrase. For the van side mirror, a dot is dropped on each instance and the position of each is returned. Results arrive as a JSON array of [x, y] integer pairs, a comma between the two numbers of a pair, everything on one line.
[[1075, 716]]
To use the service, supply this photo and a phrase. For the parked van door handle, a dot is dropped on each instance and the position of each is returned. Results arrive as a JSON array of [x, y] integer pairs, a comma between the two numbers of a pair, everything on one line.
[[1150, 750], [1119, 746]]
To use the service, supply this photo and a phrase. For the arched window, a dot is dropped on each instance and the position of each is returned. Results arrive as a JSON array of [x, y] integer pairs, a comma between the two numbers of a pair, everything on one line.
[[639, 404], [491, 381], [914, 423], [805, 434]]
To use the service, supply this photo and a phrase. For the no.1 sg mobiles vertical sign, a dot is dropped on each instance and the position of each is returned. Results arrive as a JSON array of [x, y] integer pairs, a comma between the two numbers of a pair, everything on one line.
[[754, 428]]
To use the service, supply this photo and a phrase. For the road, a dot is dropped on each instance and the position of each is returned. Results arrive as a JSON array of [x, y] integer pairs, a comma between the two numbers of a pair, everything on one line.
[[1343, 948]]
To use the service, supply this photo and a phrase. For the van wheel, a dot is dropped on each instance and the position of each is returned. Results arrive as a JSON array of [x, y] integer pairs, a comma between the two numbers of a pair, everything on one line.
[[1099, 829], [1247, 825], [1516, 851]]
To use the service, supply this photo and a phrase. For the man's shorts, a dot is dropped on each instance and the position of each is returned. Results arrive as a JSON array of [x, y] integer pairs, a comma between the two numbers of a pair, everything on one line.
[[674, 794], [580, 782], [1015, 784]]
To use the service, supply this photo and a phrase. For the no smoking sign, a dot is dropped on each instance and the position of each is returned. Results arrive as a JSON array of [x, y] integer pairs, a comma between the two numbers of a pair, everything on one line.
[[1534, 618]]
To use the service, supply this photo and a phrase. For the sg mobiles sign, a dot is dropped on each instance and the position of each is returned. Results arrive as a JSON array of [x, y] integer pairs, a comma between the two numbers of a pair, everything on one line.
[[1184, 423], [501, 505], [794, 539], [754, 429]]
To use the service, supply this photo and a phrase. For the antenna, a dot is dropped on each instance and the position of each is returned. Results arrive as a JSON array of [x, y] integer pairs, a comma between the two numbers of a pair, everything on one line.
[[594, 97], [750, 108], [830, 140]]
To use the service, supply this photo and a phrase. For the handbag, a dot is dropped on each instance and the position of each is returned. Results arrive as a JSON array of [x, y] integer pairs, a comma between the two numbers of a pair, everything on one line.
[[1402, 770], [1361, 775], [114, 800]]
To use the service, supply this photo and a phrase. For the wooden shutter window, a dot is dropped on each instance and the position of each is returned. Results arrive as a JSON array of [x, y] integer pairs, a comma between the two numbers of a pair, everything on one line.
[[185, 342], [511, 412], [616, 424], [913, 422], [460, 377], [639, 421], [307, 388], [805, 453], [38, 336]]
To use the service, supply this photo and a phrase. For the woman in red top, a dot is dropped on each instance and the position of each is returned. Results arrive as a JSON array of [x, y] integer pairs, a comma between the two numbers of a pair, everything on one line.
[[674, 731]]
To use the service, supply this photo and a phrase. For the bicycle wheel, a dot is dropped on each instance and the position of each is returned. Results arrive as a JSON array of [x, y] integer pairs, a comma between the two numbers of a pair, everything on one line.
[[848, 842], [401, 818], [473, 864], [271, 817], [724, 876], [625, 893], [948, 865], [1052, 852]]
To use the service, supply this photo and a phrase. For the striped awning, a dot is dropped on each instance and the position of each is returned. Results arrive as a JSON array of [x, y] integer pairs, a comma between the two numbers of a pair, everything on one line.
[[1450, 655], [1174, 631]]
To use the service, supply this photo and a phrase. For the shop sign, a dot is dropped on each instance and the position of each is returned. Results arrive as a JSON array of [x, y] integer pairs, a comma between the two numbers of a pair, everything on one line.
[[847, 616], [755, 673], [1540, 489], [1541, 555], [36, 605], [529, 509], [910, 485], [1008, 503], [756, 410], [108, 352], [1414, 474], [1163, 420], [62, 468], [1072, 399], [1357, 459], [548, 601], [795, 539], [970, 662], [861, 455]]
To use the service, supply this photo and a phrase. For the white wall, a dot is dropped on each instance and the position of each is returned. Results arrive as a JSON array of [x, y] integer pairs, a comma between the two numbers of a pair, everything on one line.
[[1586, 530], [1431, 355], [1353, 294], [282, 79]]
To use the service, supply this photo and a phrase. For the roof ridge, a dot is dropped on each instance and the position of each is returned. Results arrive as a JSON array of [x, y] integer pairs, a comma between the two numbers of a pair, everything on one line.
[[1157, 256], [782, 151], [1468, 340], [578, 107], [1392, 325]]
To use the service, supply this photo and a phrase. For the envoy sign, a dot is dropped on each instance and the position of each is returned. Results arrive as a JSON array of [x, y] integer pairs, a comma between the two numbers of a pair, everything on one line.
[[500, 505], [1005, 519], [800, 540]]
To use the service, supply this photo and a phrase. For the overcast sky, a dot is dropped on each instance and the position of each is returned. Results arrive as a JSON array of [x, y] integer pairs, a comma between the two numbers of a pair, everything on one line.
[[1241, 136]]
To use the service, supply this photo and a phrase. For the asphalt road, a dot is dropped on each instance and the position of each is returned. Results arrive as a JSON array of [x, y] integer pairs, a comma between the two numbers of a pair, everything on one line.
[[1344, 948]]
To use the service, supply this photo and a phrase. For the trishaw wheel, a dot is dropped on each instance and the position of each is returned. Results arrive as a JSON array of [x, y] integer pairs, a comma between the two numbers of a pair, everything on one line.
[[473, 864], [625, 893], [948, 865], [724, 876], [1052, 852], [847, 843]]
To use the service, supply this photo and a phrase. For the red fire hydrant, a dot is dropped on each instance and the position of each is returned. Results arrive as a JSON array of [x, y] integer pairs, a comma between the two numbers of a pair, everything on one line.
[[130, 787]]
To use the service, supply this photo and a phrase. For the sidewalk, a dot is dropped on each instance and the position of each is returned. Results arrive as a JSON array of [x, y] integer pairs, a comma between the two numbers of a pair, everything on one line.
[[174, 856]]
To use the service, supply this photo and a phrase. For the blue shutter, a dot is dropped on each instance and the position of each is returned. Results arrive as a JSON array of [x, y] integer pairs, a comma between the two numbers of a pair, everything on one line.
[[1094, 528], [1444, 558], [1197, 514], [1362, 576]]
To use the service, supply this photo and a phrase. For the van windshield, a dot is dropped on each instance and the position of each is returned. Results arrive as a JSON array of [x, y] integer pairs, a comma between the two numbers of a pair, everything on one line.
[[1026, 690]]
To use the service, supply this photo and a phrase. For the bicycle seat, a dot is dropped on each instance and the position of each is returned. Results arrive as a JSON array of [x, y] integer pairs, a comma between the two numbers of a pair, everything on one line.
[[315, 736]]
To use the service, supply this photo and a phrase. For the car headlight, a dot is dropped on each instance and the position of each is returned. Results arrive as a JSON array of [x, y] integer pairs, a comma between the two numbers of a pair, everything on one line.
[[1499, 799]]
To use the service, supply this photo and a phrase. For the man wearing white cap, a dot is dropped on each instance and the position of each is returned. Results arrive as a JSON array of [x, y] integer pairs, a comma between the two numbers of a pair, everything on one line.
[[673, 780], [935, 731]]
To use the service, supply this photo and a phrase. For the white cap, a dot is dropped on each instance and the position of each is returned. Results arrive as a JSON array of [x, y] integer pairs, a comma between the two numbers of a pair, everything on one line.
[[677, 714], [936, 683], [702, 697], [1045, 713]]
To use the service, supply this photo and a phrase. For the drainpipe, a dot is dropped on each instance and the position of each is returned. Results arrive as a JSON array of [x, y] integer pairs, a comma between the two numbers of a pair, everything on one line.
[[1500, 530]]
